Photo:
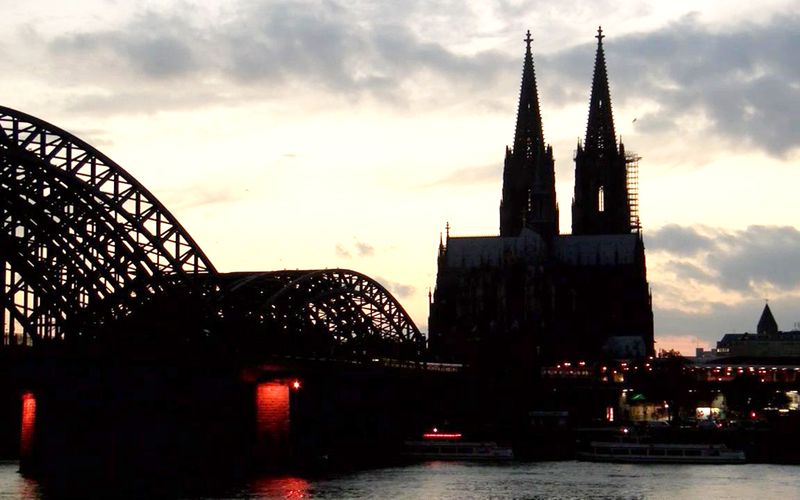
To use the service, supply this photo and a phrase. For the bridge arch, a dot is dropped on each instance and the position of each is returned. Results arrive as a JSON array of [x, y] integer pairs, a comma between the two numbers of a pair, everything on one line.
[[82, 241], [329, 312], [83, 244]]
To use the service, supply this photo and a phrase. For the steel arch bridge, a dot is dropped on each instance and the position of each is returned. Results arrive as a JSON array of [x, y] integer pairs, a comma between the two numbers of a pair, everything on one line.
[[325, 313], [84, 245]]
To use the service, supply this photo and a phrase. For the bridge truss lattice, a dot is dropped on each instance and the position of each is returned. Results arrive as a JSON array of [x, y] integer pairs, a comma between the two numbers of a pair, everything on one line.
[[84, 245]]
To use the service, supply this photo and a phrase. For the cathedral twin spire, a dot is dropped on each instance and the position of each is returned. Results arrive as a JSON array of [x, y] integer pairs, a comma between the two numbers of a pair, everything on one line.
[[600, 127], [529, 196], [600, 205], [528, 136]]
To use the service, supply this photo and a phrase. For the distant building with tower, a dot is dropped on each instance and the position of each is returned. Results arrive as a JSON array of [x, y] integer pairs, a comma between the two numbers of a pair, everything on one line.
[[767, 342], [531, 294]]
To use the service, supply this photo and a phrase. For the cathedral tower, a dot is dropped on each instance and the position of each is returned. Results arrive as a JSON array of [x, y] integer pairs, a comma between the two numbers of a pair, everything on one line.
[[601, 204], [529, 192]]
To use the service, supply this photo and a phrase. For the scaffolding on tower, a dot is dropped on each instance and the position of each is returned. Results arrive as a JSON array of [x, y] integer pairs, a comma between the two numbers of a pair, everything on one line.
[[632, 175]]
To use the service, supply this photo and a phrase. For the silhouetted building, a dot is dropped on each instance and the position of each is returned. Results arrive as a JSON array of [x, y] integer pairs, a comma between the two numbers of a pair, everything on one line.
[[767, 342], [766, 323], [532, 294]]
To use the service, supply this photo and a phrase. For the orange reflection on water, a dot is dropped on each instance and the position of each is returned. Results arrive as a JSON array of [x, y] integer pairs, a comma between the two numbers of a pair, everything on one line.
[[281, 487]]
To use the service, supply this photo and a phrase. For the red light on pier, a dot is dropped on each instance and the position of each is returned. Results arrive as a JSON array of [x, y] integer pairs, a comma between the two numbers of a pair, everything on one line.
[[28, 422], [272, 411]]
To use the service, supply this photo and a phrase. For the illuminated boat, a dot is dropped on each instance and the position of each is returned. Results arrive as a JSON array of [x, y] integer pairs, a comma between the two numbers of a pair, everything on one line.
[[661, 453], [450, 446]]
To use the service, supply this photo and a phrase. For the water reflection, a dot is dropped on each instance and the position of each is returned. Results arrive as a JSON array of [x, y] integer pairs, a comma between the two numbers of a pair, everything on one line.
[[13, 485], [280, 487], [450, 480]]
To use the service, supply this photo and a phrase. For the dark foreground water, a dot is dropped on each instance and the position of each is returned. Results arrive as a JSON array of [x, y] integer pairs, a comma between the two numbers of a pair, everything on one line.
[[441, 480]]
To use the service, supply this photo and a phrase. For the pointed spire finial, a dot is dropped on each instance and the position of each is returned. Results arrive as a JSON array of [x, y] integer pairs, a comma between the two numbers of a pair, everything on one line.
[[767, 323], [600, 133], [528, 136], [447, 229]]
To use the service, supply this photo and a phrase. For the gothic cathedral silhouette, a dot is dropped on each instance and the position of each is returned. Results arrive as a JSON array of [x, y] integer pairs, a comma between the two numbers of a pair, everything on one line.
[[532, 295]]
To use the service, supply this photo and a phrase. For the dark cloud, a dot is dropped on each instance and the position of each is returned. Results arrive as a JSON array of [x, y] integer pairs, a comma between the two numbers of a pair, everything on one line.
[[742, 80], [736, 260], [718, 319], [153, 45], [678, 240], [274, 46], [739, 83], [760, 254], [688, 271]]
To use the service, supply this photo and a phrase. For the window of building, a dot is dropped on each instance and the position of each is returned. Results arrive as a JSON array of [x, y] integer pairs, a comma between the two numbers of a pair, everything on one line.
[[601, 200]]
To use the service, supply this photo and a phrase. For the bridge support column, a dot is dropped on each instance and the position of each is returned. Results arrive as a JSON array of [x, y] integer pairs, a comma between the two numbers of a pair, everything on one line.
[[2, 307], [272, 447], [27, 432]]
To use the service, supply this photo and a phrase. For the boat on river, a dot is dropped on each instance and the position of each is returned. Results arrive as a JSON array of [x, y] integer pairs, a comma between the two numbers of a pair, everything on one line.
[[661, 453], [450, 446]]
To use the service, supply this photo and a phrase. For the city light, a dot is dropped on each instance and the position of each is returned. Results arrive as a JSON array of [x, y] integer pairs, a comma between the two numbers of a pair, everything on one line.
[[441, 435]]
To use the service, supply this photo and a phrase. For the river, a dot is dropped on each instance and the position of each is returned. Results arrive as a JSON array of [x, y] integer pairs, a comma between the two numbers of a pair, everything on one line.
[[453, 480]]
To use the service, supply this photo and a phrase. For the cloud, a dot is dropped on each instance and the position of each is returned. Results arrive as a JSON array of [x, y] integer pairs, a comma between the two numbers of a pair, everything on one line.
[[152, 44], [679, 240], [739, 83], [753, 260], [709, 281], [357, 248], [343, 252], [688, 271], [736, 83], [721, 318], [363, 249], [760, 254], [399, 290], [266, 49]]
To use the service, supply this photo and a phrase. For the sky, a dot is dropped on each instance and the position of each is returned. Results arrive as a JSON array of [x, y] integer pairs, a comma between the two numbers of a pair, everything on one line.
[[301, 135]]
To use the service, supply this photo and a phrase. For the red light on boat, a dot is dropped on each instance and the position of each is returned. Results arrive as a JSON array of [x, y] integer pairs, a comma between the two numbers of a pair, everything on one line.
[[442, 435]]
